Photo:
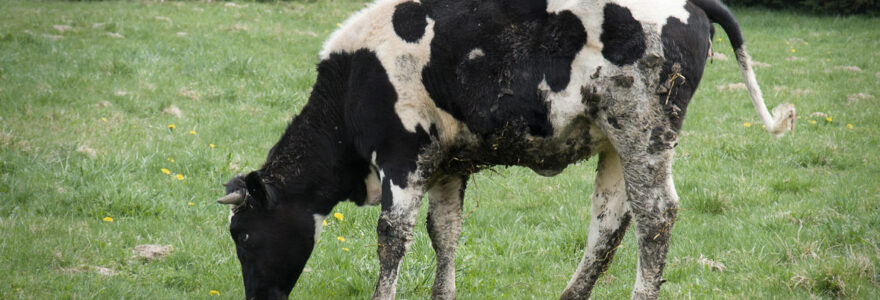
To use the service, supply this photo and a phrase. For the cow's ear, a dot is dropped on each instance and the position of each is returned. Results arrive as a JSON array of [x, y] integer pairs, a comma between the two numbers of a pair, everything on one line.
[[257, 189]]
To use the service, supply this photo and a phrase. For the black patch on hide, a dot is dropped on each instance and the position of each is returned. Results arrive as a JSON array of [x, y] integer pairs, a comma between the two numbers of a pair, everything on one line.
[[409, 21], [522, 44], [622, 37], [685, 47], [373, 121]]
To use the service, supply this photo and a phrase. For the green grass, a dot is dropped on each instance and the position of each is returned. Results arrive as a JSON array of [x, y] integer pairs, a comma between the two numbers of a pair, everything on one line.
[[789, 218]]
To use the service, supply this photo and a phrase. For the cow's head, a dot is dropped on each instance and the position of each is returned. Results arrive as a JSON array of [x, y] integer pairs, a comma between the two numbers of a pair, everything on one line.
[[273, 238]]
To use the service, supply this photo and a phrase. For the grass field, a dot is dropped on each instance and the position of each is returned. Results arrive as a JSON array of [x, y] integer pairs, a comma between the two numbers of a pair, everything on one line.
[[89, 90]]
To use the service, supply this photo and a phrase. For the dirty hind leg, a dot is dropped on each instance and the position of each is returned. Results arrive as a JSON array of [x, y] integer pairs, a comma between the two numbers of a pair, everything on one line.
[[610, 219], [444, 228], [654, 204]]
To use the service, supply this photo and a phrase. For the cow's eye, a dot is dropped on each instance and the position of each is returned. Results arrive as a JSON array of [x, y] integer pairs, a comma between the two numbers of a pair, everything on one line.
[[244, 238]]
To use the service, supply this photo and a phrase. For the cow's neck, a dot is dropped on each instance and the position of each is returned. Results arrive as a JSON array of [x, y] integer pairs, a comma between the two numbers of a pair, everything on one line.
[[308, 164]]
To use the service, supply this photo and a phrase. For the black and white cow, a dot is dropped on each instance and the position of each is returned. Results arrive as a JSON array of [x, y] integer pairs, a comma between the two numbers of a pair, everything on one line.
[[412, 97]]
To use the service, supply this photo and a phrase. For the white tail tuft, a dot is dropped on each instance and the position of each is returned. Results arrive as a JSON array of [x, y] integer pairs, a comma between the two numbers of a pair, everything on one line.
[[783, 118]]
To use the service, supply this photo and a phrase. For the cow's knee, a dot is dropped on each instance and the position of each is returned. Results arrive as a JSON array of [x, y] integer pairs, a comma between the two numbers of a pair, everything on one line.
[[400, 207], [393, 238], [395, 228], [656, 210]]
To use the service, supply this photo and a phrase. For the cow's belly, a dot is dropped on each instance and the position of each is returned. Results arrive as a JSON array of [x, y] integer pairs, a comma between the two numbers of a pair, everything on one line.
[[547, 156]]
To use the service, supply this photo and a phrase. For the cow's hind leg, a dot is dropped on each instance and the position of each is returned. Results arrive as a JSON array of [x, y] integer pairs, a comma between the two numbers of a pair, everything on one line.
[[444, 227], [610, 219], [400, 207], [654, 204]]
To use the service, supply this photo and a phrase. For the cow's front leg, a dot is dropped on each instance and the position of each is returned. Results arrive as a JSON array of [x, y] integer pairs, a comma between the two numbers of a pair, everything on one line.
[[444, 227], [654, 204], [610, 219], [400, 207]]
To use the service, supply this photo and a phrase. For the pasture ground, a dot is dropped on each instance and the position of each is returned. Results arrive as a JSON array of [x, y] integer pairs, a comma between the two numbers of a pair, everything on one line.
[[88, 91]]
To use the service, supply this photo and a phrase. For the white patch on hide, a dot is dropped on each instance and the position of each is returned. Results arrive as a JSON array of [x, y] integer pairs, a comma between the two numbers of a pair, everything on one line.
[[567, 104], [649, 13], [406, 200], [372, 29], [656, 12], [476, 53]]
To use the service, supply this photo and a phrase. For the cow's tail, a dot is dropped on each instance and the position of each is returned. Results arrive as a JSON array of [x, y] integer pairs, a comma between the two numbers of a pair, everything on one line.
[[783, 118]]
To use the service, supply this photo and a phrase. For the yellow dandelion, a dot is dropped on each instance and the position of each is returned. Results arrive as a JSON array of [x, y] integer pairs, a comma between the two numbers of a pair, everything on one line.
[[849, 126], [108, 219], [338, 24], [346, 249], [338, 216], [193, 132], [719, 40], [747, 124], [211, 146], [190, 204], [170, 159], [793, 51], [813, 122], [172, 127], [179, 176], [828, 119], [827, 59], [166, 171], [214, 293], [341, 239], [104, 119], [324, 223]]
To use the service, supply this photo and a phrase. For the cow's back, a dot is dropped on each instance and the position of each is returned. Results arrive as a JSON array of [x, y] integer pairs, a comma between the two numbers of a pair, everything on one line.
[[530, 71]]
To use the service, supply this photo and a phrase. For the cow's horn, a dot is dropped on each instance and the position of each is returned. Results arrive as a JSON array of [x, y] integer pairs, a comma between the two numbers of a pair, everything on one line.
[[233, 198]]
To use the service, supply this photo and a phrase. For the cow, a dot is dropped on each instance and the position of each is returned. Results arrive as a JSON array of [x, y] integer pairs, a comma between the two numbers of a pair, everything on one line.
[[414, 96]]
